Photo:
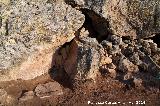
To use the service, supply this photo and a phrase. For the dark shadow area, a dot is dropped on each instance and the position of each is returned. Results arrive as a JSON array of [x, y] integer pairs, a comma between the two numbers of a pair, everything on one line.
[[126, 38], [97, 26], [156, 39], [71, 2], [22, 93], [0, 22], [57, 71]]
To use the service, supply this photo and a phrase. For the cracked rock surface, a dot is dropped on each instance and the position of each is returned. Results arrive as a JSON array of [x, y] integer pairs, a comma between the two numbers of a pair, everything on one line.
[[133, 18], [30, 30], [58, 52]]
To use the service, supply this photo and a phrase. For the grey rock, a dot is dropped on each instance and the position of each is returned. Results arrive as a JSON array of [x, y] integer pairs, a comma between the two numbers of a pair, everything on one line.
[[133, 18], [28, 29], [84, 62], [126, 66]]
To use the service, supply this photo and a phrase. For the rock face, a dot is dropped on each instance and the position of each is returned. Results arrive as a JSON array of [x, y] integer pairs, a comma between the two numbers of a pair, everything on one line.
[[30, 32], [133, 18], [84, 62], [82, 40], [81, 59]]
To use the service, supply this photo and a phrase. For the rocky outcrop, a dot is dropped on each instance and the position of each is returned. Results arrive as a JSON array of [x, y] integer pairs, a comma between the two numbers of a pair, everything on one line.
[[30, 32], [84, 48], [80, 60], [133, 18], [112, 37]]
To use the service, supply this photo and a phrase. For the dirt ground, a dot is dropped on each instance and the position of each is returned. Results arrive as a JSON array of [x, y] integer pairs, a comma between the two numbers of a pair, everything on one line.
[[105, 90]]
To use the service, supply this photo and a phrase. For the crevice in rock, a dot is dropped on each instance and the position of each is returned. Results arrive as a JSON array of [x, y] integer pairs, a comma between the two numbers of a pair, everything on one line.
[[125, 38], [156, 39], [6, 27], [0, 22], [97, 26], [88, 25], [57, 71], [71, 2]]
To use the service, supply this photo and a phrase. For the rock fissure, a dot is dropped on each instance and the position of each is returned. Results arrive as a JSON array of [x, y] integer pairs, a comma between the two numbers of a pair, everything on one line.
[[99, 48]]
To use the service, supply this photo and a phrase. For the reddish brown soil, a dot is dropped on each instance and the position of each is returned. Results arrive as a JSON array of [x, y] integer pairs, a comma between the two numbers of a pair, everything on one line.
[[106, 89]]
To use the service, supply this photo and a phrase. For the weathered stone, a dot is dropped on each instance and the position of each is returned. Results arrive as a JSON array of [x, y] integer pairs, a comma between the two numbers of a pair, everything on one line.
[[128, 76], [27, 96], [137, 82], [84, 59], [112, 70], [126, 66], [149, 46], [105, 60], [5, 99], [107, 44], [134, 18], [83, 33], [30, 33], [3, 96], [48, 89]]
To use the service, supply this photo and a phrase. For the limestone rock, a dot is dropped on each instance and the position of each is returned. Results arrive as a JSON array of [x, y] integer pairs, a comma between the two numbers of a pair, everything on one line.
[[106, 60], [126, 66], [137, 82], [5, 99], [133, 18], [112, 70], [83, 61], [48, 89], [80, 59], [83, 33], [30, 32]]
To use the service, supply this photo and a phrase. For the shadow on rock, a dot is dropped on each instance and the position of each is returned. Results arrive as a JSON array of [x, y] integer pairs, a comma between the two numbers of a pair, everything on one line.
[[57, 71]]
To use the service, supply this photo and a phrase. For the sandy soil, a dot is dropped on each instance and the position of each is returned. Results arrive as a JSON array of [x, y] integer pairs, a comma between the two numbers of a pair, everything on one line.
[[82, 93]]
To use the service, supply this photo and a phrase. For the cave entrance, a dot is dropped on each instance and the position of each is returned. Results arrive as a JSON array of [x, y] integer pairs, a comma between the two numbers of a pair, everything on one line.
[[97, 26], [156, 39]]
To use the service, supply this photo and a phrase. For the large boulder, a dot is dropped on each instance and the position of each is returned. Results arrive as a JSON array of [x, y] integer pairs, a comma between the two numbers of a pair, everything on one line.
[[30, 32], [133, 18], [80, 59], [84, 59]]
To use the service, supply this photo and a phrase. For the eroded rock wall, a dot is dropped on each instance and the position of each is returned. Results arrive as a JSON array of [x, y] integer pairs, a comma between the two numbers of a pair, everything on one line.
[[133, 18], [81, 38], [30, 32]]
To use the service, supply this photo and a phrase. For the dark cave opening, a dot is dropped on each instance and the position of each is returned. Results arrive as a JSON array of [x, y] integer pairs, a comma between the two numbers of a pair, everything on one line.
[[156, 39], [97, 26]]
